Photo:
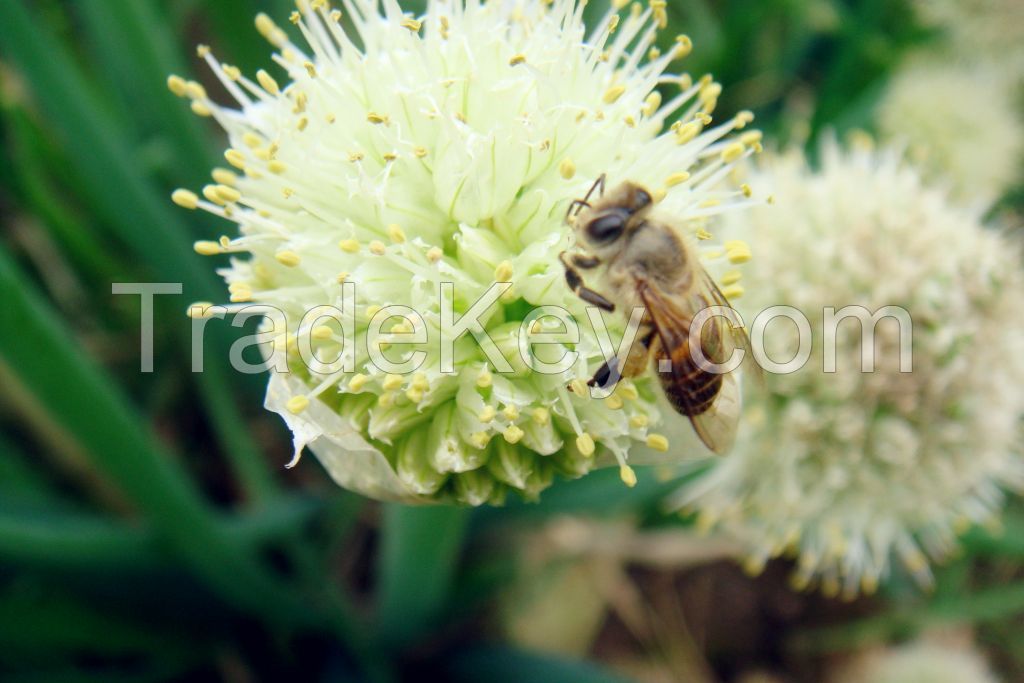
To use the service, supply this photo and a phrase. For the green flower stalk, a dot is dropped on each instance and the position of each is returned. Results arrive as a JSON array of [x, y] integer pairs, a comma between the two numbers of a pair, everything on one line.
[[423, 162]]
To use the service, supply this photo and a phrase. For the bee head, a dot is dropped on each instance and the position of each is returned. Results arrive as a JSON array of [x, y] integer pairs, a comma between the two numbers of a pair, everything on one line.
[[602, 224]]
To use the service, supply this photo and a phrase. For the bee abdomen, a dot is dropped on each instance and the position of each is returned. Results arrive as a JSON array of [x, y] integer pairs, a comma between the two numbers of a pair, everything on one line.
[[691, 390]]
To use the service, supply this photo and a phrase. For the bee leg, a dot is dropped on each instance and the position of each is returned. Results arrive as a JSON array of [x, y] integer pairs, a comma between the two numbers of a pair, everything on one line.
[[609, 374], [575, 280]]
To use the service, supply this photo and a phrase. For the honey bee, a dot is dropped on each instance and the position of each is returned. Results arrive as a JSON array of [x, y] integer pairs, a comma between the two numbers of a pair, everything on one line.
[[646, 262]]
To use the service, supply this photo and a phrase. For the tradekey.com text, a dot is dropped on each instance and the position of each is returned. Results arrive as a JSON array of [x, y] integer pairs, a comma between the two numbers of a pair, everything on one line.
[[338, 338]]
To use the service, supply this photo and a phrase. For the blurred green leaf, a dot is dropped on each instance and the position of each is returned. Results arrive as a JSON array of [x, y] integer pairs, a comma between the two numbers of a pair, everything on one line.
[[420, 548]]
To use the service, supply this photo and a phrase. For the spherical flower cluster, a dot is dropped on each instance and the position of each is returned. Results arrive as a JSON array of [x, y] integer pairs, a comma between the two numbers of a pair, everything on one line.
[[960, 122], [847, 470], [422, 161]]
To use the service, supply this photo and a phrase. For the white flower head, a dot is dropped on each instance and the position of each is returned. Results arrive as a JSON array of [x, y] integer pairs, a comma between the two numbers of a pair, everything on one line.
[[960, 123], [446, 148], [848, 470]]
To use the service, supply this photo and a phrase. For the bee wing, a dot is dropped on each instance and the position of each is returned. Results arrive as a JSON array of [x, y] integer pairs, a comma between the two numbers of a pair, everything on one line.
[[728, 333], [716, 426]]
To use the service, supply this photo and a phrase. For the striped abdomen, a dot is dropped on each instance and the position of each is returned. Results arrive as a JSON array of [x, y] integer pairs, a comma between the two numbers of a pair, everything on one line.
[[691, 391]]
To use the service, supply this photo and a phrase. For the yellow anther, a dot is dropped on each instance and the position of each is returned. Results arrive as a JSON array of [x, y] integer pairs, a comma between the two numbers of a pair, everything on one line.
[[210, 192], [659, 194], [651, 104], [392, 382], [746, 190], [200, 109], [267, 82], [389, 156], [414, 394], [733, 152], [300, 102], [241, 296], [195, 91], [232, 72], [658, 442], [396, 234], [513, 434], [868, 584], [321, 332], [434, 254], [619, 4], [419, 152], [585, 444], [503, 273], [177, 85], [613, 23], [377, 248], [185, 199], [251, 140], [269, 30], [335, 15], [709, 203], [235, 158], [567, 168], [487, 414], [202, 51], [731, 277], [357, 382], [511, 412], [386, 400], [653, 53], [737, 251], [484, 379], [288, 258], [372, 310], [355, 156], [374, 117], [301, 125], [224, 176], [639, 421], [296, 404], [200, 309], [411, 24], [613, 402], [479, 439], [627, 475], [206, 248], [227, 193], [349, 245], [613, 93], [683, 46], [540, 415], [703, 118], [277, 167], [629, 121], [687, 131], [310, 69], [579, 387], [677, 178], [743, 118]]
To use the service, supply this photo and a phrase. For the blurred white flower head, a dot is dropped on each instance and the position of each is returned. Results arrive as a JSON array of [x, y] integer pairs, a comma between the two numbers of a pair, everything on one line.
[[847, 471], [960, 122], [979, 31], [406, 152], [919, 662]]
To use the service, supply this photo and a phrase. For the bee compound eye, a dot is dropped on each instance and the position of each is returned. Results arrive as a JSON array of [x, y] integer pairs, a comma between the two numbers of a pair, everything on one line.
[[606, 228]]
